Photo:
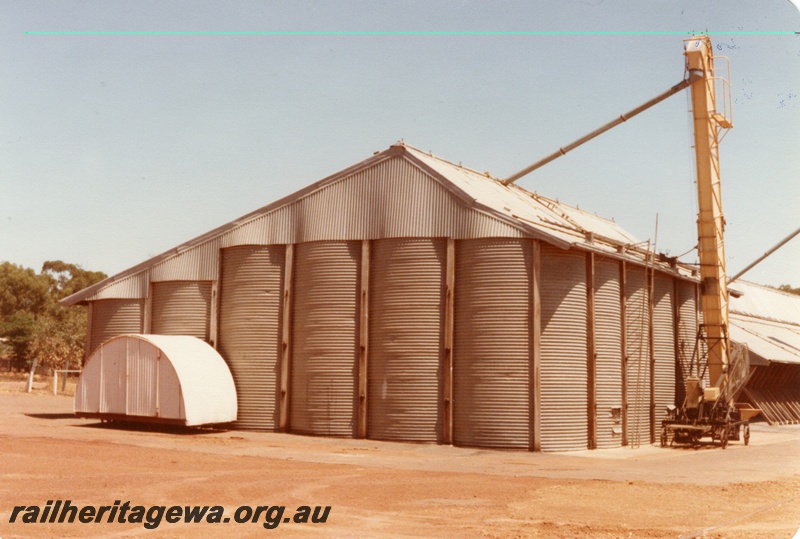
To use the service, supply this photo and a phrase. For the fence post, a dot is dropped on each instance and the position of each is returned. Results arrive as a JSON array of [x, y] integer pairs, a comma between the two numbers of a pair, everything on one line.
[[30, 375]]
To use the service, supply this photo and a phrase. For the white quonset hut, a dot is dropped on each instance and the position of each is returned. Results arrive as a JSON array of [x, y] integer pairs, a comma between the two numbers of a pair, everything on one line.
[[157, 378], [408, 298]]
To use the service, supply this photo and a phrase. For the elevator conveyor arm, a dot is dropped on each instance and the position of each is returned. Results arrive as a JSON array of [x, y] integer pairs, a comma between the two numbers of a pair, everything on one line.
[[622, 118]]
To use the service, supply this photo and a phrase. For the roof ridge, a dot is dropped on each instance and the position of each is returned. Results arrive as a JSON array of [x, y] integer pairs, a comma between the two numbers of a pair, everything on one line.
[[768, 288], [486, 175]]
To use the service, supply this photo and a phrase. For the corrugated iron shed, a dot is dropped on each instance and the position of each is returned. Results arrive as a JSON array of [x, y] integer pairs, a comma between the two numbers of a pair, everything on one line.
[[163, 378], [410, 298]]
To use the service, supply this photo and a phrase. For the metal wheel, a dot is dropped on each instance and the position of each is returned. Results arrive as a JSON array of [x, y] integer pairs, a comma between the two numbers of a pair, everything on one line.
[[664, 436], [747, 435], [723, 437]]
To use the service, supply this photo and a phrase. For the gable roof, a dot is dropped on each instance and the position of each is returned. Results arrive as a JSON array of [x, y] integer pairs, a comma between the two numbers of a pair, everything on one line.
[[400, 192]]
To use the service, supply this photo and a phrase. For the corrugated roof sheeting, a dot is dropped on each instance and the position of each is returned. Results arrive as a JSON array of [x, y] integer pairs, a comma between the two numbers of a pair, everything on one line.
[[771, 341], [765, 302], [768, 321], [198, 263], [130, 287], [565, 222], [401, 192]]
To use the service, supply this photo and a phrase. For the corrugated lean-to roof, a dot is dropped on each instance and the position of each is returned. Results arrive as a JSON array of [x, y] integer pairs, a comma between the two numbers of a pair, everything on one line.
[[768, 320]]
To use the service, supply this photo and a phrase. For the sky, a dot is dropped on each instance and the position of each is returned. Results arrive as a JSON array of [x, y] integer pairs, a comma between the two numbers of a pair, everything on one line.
[[128, 128]]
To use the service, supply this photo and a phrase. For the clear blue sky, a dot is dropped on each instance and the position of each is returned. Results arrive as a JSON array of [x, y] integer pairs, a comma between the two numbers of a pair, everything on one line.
[[115, 148]]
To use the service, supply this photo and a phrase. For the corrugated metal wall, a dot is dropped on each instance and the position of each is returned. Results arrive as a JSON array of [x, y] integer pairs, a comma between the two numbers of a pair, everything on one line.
[[170, 400], [113, 317], [129, 376], [325, 339], [391, 199], [406, 339], [702, 348], [492, 355], [113, 378], [143, 379], [687, 321], [181, 308], [775, 390], [637, 322], [663, 344], [153, 387], [564, 375], [89, 389], [608, 346], [687, 335], [492, 338], [249, 329]]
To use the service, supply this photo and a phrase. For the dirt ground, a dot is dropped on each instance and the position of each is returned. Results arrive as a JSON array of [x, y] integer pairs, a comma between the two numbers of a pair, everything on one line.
[[383, 489]]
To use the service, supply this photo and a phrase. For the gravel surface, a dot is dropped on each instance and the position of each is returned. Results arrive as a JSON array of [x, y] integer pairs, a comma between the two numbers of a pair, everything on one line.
[[383, 489]]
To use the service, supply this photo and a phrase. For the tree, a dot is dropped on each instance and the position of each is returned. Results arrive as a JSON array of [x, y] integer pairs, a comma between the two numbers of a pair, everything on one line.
[[18, 330], [61, 333], [67, 279], [787, 288], [23, 297], [22, 291], [33, 323], [60, 343]]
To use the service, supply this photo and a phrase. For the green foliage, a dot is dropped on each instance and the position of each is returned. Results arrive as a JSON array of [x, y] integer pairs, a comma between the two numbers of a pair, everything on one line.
[[33, 323], [21, 290], [67, 279], [18, 330], [787, 288], [59, 343]]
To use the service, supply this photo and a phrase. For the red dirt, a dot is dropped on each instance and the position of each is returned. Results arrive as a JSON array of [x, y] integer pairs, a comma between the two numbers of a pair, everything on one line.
[[381, 489]]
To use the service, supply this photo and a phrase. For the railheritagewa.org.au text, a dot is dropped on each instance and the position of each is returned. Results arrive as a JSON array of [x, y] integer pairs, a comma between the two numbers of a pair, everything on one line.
[[153, 516]]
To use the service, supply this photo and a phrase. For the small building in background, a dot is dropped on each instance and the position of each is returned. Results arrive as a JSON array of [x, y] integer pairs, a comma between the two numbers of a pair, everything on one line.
[[768, 321], [408, 298]]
